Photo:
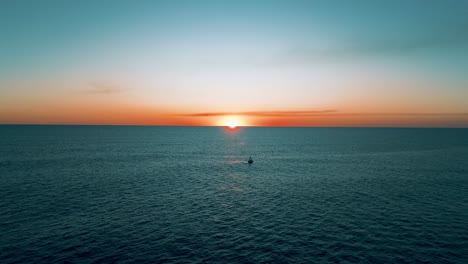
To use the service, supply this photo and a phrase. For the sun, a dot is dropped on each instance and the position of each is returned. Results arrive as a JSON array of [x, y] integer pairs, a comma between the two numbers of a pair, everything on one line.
[[231, 124]]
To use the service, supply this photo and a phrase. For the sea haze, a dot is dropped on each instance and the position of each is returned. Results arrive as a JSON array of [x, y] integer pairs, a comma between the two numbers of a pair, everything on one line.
[[87, 194]]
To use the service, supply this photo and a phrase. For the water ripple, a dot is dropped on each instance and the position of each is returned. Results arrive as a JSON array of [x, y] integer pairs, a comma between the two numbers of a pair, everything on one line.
[[186, 195]]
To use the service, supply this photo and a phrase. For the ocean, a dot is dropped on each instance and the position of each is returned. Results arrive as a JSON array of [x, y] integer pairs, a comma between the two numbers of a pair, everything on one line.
[[129, 194]]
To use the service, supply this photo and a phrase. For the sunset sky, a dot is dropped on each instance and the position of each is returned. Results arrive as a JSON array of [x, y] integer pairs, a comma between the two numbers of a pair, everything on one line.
[[255, 63]]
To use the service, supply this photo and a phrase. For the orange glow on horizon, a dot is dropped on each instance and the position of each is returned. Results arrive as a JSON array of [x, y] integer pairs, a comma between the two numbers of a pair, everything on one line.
[[116, 113]]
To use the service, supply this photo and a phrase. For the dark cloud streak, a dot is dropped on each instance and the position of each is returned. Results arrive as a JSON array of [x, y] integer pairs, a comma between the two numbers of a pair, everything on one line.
[[263, 113]]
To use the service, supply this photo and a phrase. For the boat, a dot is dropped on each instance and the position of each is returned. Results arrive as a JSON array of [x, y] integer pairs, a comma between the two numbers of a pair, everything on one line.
[[250, 160]]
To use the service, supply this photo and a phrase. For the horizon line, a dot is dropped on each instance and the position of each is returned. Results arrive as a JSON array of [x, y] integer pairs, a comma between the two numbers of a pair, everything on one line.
[[156, 125]]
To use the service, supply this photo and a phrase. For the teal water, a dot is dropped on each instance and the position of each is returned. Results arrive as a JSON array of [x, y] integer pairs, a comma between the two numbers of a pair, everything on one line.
[[104, 194]]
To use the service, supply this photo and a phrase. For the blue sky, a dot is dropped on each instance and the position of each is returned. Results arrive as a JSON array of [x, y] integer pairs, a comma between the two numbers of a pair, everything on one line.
[[392, 56]]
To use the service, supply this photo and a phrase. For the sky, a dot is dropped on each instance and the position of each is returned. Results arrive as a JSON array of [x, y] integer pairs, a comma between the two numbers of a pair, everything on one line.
[[393, 63]]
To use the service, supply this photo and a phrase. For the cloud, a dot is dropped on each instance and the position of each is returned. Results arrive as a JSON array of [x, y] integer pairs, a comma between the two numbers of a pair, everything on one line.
[[312, 113], [377, 46], [103, 88], [263, 113]]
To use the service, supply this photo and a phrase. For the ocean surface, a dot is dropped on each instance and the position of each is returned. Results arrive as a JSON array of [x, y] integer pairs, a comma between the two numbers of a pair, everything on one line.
[[122, 194]]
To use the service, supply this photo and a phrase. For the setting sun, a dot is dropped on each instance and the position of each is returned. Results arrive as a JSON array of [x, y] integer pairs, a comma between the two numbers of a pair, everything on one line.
[[232, 121], [231, 124]]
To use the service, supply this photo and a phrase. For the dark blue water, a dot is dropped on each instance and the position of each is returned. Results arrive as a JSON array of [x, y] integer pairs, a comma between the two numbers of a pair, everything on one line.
[[96, 194]]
